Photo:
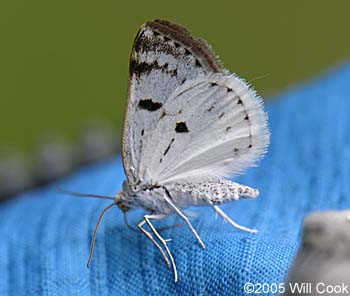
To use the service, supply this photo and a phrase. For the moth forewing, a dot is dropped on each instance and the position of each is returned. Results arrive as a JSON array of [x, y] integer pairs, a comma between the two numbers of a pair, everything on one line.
[[163, 57]]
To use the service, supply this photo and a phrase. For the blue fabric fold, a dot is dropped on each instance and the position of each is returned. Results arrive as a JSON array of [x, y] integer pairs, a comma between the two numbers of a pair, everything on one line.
[[45, 235]]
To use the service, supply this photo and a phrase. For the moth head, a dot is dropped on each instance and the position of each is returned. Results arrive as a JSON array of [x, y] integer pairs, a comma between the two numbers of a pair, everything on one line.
[[120, 203]]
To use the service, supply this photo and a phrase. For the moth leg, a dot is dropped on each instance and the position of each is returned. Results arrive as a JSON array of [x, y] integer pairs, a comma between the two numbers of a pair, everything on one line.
[[162, 240], [150, 237], [187, 213], [183, 217], [226, 218]]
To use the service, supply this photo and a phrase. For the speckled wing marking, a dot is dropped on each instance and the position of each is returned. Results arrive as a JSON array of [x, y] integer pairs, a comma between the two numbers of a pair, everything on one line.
[[164, 56], [211, 127]]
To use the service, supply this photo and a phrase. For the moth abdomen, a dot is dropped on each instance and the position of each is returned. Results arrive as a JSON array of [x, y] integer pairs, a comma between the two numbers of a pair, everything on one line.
[[216, 191]]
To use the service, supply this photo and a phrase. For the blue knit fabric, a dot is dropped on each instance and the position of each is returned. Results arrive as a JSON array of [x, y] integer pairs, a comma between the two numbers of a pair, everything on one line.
[[45, 236]]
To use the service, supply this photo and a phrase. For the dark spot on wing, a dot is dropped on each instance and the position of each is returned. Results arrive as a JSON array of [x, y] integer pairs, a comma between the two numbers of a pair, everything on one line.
[[222, 114], [142, 132], [229, 89], [183, 81], [173, 72], [211, 108], [213, 84], [250, 146], [181, 127], [235, 150], [239, 101], [198, 64], [162, 114], [149, 105], [167, 149], [228, 128], [246, 117]]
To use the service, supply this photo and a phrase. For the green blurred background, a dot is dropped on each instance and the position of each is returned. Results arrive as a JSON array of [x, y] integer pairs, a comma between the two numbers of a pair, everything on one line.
[[62, 62]]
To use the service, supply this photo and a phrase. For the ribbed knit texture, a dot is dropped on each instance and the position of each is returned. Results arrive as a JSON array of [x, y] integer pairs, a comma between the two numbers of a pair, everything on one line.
[[45, 235]]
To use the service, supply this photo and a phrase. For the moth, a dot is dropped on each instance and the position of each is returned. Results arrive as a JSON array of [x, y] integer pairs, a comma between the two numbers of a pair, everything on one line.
[[189, 125]]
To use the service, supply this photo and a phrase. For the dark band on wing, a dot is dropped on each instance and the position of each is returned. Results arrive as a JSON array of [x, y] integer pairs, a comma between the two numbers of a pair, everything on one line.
[[203, 54], [197, 47], [138, 68]]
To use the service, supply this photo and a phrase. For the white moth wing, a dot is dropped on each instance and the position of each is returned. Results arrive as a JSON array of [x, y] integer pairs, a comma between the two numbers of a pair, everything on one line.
[[164, 56], [210, 127]]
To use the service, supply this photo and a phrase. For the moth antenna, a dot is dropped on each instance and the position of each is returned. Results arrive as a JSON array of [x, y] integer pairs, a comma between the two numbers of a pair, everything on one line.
[[78, 194], [258, 77], [95, 232], [128, 225]]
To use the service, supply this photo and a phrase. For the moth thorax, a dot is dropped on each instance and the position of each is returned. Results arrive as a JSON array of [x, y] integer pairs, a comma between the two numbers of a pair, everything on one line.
[[130, 189]]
